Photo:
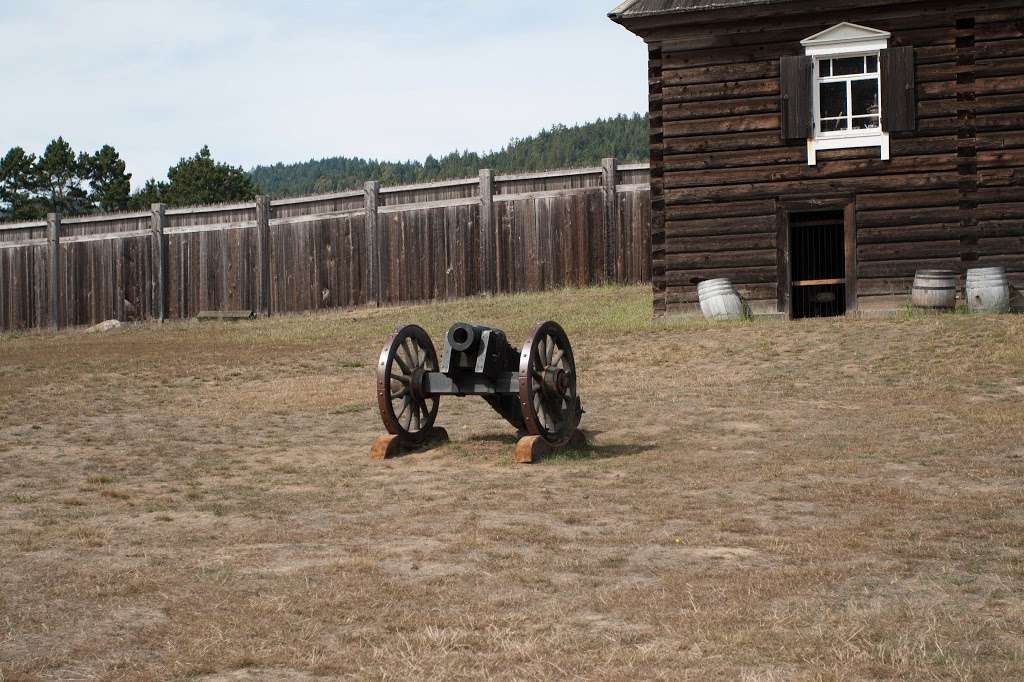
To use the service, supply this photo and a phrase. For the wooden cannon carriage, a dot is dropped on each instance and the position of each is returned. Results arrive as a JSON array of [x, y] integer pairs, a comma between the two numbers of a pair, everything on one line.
[[533, 388]]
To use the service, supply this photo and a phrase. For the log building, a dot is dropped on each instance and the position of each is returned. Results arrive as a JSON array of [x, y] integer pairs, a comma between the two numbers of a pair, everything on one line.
[[817, 153]]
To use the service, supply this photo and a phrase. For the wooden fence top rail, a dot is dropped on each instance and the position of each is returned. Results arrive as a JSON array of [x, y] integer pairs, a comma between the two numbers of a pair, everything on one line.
[[348, 194], [548, 174], [314, 198], [103, 217], [461, 182], [213, 208], [35, 224], [315, 217]]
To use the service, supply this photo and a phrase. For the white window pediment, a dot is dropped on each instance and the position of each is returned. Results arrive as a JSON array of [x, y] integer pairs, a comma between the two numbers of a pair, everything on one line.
[[845, 37]]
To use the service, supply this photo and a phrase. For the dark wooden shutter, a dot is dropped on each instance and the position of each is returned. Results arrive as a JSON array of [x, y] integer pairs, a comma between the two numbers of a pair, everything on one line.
[[899, 104], [796, 83]]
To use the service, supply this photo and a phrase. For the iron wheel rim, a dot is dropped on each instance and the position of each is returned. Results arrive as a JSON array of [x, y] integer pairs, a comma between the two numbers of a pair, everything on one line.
[[551, 415], [407, 355]]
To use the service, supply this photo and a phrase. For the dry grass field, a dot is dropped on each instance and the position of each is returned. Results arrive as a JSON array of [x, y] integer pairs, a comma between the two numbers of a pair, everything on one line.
[[765, 501]]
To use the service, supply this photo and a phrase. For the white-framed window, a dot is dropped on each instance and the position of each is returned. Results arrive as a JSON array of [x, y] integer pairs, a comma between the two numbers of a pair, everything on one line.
[[847, 89]]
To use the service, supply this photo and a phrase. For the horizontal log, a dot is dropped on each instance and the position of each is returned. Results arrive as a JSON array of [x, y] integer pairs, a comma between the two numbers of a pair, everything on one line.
[[725, 125], [1000, 104], [908, 233], [996, 122], [1006, 139], [738, 276], [1013, 212], [717, 143], [729, 209], [997, 246], [720, 226], [903, 268], [696, 110], [717, 91], [724, 259], [937, 108], [711, 244], [761, 190], [719, 73], [889, 170], [908, 250], [890, 200], [935, 90], [984, 50], [899, 217], [1013, 262], [1000, 177], [998, 85], [1001, 159], [990, 68], [996, 195], [880, 286]]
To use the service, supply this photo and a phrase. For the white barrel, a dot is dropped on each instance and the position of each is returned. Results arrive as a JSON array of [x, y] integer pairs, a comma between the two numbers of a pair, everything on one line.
[[719, 300], [987, 290], [934, 289]]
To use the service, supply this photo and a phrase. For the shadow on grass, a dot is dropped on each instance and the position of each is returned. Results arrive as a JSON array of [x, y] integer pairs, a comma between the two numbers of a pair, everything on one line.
[[596, 452]]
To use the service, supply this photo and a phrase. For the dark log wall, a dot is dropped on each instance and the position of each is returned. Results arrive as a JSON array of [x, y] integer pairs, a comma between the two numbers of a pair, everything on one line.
[[550, 230], [951, 196]]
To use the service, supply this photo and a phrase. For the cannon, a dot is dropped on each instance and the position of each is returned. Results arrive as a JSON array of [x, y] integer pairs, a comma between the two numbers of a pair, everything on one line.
[[533, 388]]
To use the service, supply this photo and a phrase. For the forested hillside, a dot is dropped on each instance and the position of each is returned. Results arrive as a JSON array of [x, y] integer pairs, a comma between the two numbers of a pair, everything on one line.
[[623, 137]]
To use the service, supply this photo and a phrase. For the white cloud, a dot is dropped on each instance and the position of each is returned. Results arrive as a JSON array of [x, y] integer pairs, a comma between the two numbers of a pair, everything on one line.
[[260, 84]]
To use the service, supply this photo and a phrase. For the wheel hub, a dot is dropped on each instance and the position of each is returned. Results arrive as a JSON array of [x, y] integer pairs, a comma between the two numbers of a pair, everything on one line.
[[556, 381], [416, 384]]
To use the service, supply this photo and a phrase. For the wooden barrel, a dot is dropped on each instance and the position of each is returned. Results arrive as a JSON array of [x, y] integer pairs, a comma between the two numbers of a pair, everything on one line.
[[719, 300], [934, 289], [987, 290]]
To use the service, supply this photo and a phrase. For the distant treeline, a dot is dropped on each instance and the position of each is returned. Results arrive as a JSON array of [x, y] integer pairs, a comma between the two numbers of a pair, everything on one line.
[[72, 183], [64, 180], [623, 137]]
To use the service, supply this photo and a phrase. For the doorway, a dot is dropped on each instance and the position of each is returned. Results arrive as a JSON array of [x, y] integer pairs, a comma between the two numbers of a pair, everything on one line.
[[817, 263]]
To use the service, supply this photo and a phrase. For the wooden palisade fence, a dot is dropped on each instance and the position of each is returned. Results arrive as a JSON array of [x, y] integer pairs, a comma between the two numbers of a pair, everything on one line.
[[377, 246]]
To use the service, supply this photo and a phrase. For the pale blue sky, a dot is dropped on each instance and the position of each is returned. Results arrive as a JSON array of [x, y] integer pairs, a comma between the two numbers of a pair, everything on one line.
[[262, 82]]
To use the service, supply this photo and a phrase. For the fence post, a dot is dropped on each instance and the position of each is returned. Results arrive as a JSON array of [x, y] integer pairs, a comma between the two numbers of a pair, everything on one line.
[[157, 223], [609, 176], [374, 247], [263, 253], [53, 241], [488, 241]]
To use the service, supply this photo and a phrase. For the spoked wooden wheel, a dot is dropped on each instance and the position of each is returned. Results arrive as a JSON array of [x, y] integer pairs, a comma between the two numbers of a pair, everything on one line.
[[407, 356], [547, 384]]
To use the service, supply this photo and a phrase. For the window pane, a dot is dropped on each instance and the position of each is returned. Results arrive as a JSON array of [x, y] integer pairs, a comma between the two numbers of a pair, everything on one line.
[[865, 96], [833, 100], [872, 65], [847, 66], [825, 67], [862, 122], [831, 125]]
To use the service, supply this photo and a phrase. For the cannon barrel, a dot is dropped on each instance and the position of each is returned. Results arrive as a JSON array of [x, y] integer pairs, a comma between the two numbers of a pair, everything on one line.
[[464, 337]]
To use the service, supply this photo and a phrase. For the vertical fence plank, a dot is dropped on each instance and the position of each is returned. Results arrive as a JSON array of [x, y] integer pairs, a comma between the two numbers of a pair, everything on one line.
[[53, 241], [159, 283], [488, 253], [609, 176], [375, 250], [263, 254]]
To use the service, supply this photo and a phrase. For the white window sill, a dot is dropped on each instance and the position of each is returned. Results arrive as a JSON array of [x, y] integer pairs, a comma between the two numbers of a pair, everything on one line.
[[847, 140]]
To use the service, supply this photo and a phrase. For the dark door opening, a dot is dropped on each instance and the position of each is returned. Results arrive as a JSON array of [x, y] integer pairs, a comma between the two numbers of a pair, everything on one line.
[[818, 264]]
